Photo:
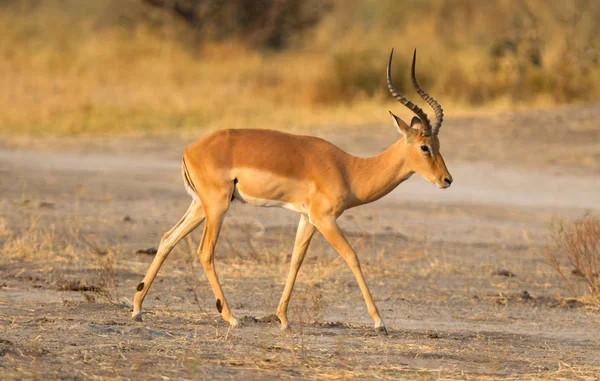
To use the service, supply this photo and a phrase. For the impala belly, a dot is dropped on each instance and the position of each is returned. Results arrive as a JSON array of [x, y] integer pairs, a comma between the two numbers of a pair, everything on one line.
[[247, 199], [261, 188]]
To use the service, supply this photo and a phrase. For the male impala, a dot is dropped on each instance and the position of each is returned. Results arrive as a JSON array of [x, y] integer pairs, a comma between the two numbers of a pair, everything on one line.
[[302, 173]]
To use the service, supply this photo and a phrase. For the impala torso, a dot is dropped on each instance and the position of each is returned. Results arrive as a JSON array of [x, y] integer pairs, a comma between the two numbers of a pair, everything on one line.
[[244, 158], [307, 170], [302, 173]]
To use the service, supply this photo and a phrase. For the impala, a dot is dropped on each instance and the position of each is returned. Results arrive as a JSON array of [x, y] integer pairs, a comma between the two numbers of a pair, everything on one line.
[[301, 173]]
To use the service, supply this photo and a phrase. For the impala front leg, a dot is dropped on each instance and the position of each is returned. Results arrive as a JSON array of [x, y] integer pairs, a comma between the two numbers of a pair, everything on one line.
[[303, 237], [332, 233]]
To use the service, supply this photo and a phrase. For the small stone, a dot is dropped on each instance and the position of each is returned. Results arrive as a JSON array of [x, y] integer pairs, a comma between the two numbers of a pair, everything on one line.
[[526, 295], [148, 251], [504, 272]]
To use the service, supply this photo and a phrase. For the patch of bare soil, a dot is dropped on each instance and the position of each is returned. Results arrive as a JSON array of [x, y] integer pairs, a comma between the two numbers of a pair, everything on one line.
[[458, 275]]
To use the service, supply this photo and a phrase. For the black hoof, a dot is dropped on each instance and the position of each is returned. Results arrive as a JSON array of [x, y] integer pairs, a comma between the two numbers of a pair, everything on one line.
[[381, 330]]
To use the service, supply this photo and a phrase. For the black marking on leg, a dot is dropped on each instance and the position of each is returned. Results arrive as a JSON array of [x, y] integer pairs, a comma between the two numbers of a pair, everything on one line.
[[140, 286], [219, 305]]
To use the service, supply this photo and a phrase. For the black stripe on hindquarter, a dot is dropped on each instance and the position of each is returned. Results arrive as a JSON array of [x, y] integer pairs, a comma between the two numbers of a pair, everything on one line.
[[187, 177], [235, 181]]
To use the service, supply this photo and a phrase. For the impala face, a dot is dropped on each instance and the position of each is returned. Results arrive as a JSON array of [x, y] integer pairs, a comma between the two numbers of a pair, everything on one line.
[[431, 165], [426, 160], [424, 156]]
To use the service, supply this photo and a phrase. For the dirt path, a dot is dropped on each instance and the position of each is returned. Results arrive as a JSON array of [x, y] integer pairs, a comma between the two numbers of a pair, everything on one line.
[[477, 183], [72, 219]]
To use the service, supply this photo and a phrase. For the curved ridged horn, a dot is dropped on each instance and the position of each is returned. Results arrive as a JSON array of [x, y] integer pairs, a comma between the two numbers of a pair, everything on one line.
[[400, 98], [439, 112]]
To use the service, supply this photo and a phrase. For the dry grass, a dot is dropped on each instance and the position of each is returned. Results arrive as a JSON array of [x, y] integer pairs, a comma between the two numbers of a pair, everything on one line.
[[62, 255], [118, 68], [79, 79], [184, 337], [37, 243], [578, 244]]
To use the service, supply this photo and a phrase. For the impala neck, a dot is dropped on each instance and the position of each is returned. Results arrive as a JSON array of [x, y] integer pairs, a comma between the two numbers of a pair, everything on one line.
[[374, 177]]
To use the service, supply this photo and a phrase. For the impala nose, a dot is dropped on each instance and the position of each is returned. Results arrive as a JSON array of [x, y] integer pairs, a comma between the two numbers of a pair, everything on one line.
[[447, 181]]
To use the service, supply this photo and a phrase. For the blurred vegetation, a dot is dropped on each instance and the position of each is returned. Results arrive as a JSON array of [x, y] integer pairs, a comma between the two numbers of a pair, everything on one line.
[[576, 245], [131, 66], [262, 23]]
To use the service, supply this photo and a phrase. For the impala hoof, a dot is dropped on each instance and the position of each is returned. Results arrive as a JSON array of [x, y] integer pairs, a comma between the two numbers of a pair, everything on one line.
[[285, 328], [381, 330], [234, 323], [137, 316]]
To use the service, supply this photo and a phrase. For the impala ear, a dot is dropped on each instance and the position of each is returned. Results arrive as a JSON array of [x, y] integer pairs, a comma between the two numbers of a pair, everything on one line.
[[416, 123], [400, 124]]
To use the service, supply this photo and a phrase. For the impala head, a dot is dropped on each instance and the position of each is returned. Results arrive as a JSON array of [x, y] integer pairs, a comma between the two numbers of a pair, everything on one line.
[[424, 156]]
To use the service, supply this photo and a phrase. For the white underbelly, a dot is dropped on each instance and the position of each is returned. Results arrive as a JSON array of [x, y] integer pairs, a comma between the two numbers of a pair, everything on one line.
[[240, 196]]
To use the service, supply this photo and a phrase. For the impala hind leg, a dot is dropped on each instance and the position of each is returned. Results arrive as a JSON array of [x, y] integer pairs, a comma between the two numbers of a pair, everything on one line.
[[212, 228], [303, 237], [332, 233], [190, 220]]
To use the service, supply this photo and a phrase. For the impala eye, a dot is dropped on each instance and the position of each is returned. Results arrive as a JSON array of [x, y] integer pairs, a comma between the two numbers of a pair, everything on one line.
[[425, 149]]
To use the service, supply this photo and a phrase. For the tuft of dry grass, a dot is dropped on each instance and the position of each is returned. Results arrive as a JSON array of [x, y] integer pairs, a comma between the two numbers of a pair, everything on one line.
[[578, 244], [61, 252], [107, 279], [38, 243]]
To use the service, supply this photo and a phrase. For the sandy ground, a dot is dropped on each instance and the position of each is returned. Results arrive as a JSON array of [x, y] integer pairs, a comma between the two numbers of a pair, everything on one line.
[[74, 212]]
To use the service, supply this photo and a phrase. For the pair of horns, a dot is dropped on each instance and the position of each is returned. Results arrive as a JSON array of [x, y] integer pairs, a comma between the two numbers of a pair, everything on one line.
[[428, 127]]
